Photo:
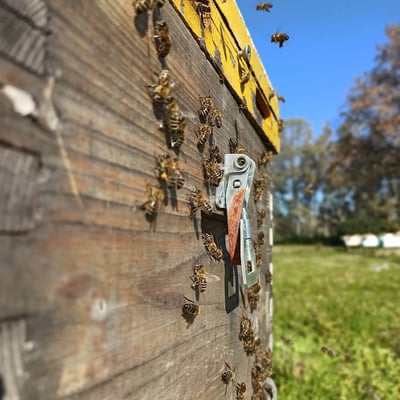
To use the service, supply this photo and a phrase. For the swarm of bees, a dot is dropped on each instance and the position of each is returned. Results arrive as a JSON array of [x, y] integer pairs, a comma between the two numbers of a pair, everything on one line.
[[199, 278], [279, 38], [162, 37], [155, 196], [264, 7], [228, 375], [170, 170], [259, 186], [190, 310], [175, 123], [198, 200], [329, 352], [213, 251], [142, 6]]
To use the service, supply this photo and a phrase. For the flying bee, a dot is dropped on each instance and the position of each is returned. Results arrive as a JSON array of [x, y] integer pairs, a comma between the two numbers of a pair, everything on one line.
[[155, 195], [228, 375], [259, 186], [245, 328], [160, 91], [234, 147], [281, 98], [215, 154], [190, 310], [203, 132], [199, 278], [260, 217], [212, 172], [308, 190], [141, 6], [197, 200], [206, 104], [331, 353], [240, 391], [216, 118], [281, 125], [286, 341], [264, 158], [162, 37], [279, 38], [213, 251], [264, 7]]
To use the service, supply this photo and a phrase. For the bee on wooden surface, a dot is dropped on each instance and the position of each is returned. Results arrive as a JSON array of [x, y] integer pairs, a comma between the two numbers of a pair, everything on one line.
[[245, 328], [160, 3], [251, 344], [170, 170], [261, 238], [244, 75], [215, 154], [213, 251], [264, 358], [216, 118], [268, 277], [228, 375], [234, 147], [257, 253], [141, 6], [329, 352], [264, 158], [163, 38], [286, 341], [260, 217], [279, 38], [240, 391], [204, 10], [199, 278], [160, 91], [212, 172], [206, 104], [264, 7], [175, 123], [253, 296], [190, 310], [203, 132], [155, 195], [197, 200], [259, 186]]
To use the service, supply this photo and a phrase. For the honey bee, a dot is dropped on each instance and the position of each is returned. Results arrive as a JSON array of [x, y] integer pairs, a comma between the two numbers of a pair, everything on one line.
[[155, 195], [204, 10], [279, 38], [308, 190], [240, 391], [329, 352], [215, 154], [216, 118], [251, 345], [286, 341], [163, 38], [268, 277], [175, 123], [199, 278], [234, 147], [141, 6], [281, 98], [170, 170], [211, 247], [244, 74], [258, 253], [198, 200], [245, 328], [264, 7], [206, 104], [264, 158], [212, 172], [261, 238], [253, 296], [260, 217], [259, 184], [190, 310], [203, 132], [228, 375], [264, 358], [160, 91]]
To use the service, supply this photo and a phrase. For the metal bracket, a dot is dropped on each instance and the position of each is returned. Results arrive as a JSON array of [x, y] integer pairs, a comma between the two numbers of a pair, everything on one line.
[[233, 195]]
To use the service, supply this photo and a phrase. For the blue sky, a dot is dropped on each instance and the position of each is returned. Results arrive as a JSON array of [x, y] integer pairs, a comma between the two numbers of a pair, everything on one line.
[[331, 43]]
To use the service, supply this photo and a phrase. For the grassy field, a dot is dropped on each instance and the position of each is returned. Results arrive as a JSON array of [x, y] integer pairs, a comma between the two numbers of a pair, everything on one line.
[[348, 302]]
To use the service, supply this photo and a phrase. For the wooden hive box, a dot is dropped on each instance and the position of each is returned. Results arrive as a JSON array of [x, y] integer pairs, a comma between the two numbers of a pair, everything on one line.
[[91, 291]]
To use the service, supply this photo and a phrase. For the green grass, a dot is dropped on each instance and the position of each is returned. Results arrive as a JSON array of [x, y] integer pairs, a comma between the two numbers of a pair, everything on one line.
[[329, 297]]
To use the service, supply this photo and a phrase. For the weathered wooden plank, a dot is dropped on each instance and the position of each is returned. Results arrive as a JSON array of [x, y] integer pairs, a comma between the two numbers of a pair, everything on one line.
[[102, 287]]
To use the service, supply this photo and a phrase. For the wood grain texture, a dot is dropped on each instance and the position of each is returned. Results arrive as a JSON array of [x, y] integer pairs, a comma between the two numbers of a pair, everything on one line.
[[102, 287]]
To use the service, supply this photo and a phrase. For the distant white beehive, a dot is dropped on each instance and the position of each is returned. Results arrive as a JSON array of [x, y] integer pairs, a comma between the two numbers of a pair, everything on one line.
[[370, 240], [390, 240], [352, 240]]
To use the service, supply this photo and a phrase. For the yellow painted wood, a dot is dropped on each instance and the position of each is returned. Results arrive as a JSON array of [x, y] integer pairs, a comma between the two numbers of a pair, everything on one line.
[[226, 35]]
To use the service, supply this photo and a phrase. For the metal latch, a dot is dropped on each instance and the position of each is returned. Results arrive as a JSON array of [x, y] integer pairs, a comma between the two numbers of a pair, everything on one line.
[[233, 194]]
